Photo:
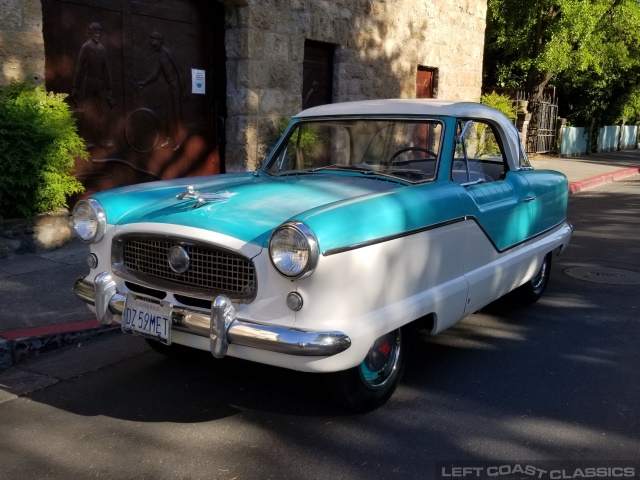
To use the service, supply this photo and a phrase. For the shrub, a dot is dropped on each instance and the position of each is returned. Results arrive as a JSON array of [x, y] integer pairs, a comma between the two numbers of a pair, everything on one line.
[[38, 146], [500, 102]]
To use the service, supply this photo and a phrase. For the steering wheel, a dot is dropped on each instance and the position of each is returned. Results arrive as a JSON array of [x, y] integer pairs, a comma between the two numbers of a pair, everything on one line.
[[411, 149]]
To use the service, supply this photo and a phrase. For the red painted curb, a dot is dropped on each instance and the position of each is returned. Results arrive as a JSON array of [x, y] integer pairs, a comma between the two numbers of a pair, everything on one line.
[[50, 330], [575, 187]]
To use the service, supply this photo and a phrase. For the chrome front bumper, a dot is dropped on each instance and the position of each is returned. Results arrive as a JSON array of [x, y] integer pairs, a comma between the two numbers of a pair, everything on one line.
[[221, 325]]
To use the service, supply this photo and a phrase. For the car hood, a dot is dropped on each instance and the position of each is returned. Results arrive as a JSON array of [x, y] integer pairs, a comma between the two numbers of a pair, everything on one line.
[[250, 205]]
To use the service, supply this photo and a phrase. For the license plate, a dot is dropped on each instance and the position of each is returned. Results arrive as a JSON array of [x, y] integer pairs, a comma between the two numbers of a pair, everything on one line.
[[147, 318]]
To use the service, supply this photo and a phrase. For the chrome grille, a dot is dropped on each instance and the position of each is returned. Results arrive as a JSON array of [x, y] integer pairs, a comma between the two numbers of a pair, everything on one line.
[[211, 270]]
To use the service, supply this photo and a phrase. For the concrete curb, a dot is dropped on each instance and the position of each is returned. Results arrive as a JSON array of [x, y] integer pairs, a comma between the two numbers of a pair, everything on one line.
[[21, 345], [575, 187]]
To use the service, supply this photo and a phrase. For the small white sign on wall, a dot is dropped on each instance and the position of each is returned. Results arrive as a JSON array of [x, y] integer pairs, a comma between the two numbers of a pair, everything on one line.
[[197, 81]]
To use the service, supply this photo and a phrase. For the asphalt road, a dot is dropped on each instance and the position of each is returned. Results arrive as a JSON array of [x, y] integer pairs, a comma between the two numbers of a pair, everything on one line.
[[551, 383]]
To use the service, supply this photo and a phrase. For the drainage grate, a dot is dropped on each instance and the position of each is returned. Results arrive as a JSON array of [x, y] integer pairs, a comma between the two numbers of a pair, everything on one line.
[[609, 276]]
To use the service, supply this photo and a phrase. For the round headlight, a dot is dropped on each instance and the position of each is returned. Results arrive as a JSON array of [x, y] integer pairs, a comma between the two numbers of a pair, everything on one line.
[[89, 220], [294, 250]]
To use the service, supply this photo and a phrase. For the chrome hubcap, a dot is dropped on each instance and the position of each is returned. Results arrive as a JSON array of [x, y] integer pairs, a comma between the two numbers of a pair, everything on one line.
[[381, 360], [538, 280]]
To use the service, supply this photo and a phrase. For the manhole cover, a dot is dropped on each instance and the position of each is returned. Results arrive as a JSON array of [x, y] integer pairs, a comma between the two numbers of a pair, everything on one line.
[[609, 276]]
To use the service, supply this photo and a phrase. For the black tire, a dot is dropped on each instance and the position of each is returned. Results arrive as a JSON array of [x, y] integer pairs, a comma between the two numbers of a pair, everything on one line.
[[531, 291], [370, 384]]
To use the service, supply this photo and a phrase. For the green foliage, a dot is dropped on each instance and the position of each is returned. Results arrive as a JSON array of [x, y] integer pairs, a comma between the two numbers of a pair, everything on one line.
[[588, 49], [281, 125], [38, 146], [306, 137], [503, 103], [629, 110]]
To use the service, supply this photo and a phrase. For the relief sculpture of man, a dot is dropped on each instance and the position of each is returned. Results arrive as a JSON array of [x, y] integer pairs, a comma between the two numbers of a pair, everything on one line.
[[92, 86], [170, 70]]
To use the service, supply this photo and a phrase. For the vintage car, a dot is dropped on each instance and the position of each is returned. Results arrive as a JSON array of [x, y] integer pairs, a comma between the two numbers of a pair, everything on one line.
[[366, 219]]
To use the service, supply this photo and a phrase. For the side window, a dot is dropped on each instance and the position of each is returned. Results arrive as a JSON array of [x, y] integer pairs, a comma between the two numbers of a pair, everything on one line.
[[478, 157]]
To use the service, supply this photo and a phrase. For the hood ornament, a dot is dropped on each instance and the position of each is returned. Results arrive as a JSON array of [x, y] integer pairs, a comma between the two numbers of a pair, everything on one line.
[[201, 198]]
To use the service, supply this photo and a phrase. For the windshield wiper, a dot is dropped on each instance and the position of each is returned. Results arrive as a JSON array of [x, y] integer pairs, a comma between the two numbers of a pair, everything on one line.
[[338, 166], [408, 173], [397, 174]]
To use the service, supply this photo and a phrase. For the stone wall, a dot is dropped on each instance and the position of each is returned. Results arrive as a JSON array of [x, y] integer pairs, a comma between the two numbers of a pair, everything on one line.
[[379, 45], [21, 42]]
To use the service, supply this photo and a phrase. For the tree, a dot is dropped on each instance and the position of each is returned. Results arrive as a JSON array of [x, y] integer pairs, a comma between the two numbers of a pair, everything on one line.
[[530, 44]]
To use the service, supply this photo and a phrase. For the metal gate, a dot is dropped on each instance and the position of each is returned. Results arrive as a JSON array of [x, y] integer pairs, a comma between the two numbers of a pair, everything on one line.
[[541, 135]]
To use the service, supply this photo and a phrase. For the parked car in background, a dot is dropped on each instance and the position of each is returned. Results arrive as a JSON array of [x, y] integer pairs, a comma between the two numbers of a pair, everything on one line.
[[366, 218]]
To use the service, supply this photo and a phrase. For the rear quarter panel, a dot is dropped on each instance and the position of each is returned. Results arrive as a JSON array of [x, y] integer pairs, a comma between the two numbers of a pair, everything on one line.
[[551, 190]]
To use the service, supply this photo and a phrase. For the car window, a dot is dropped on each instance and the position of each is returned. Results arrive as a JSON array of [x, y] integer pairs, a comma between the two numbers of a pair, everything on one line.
[[312, 146], [404, 148], [478, 156]]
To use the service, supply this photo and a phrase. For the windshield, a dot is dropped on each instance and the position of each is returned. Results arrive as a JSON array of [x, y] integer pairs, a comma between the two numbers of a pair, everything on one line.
[[407, 149]]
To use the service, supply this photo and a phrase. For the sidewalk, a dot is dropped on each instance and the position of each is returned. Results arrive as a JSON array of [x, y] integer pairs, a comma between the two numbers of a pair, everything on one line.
[[39, 312], [589, 171]]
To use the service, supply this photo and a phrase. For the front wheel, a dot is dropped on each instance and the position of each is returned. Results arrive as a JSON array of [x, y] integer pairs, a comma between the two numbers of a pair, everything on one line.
[[370, 384]]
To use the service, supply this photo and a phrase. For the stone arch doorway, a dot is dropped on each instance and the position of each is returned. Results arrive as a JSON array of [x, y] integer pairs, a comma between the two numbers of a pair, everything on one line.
[[146, 80]]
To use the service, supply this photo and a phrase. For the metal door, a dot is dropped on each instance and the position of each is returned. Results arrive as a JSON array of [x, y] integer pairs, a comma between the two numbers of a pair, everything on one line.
[[146, 80]]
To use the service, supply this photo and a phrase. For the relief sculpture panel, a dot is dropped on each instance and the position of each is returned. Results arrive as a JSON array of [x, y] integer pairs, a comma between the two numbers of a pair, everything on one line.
[[169, 70], [92, 89], [127, 68]]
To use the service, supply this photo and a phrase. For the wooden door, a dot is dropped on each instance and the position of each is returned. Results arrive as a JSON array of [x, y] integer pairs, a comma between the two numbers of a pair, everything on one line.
[[424, 83], [317, 74], [146, 80]]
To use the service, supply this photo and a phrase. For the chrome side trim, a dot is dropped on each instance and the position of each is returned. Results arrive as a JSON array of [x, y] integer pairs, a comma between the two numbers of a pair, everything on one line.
[[528, 239], [355, 246], [290, 341]]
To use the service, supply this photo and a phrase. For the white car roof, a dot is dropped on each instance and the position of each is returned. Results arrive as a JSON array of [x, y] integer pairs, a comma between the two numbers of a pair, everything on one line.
[[415, 106], [424, 106]]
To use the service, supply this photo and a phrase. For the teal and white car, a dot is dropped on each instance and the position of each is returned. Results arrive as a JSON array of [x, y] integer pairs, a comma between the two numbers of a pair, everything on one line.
[[367, 219]]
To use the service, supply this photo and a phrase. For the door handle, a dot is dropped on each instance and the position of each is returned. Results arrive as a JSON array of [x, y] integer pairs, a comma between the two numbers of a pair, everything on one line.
[[529, 199]]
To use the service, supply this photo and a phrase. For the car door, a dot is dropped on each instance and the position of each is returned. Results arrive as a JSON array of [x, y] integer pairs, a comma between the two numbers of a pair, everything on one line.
[[498, 202]]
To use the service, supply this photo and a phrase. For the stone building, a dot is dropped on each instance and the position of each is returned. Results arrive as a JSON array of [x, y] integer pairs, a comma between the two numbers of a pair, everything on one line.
[[206, 95]]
